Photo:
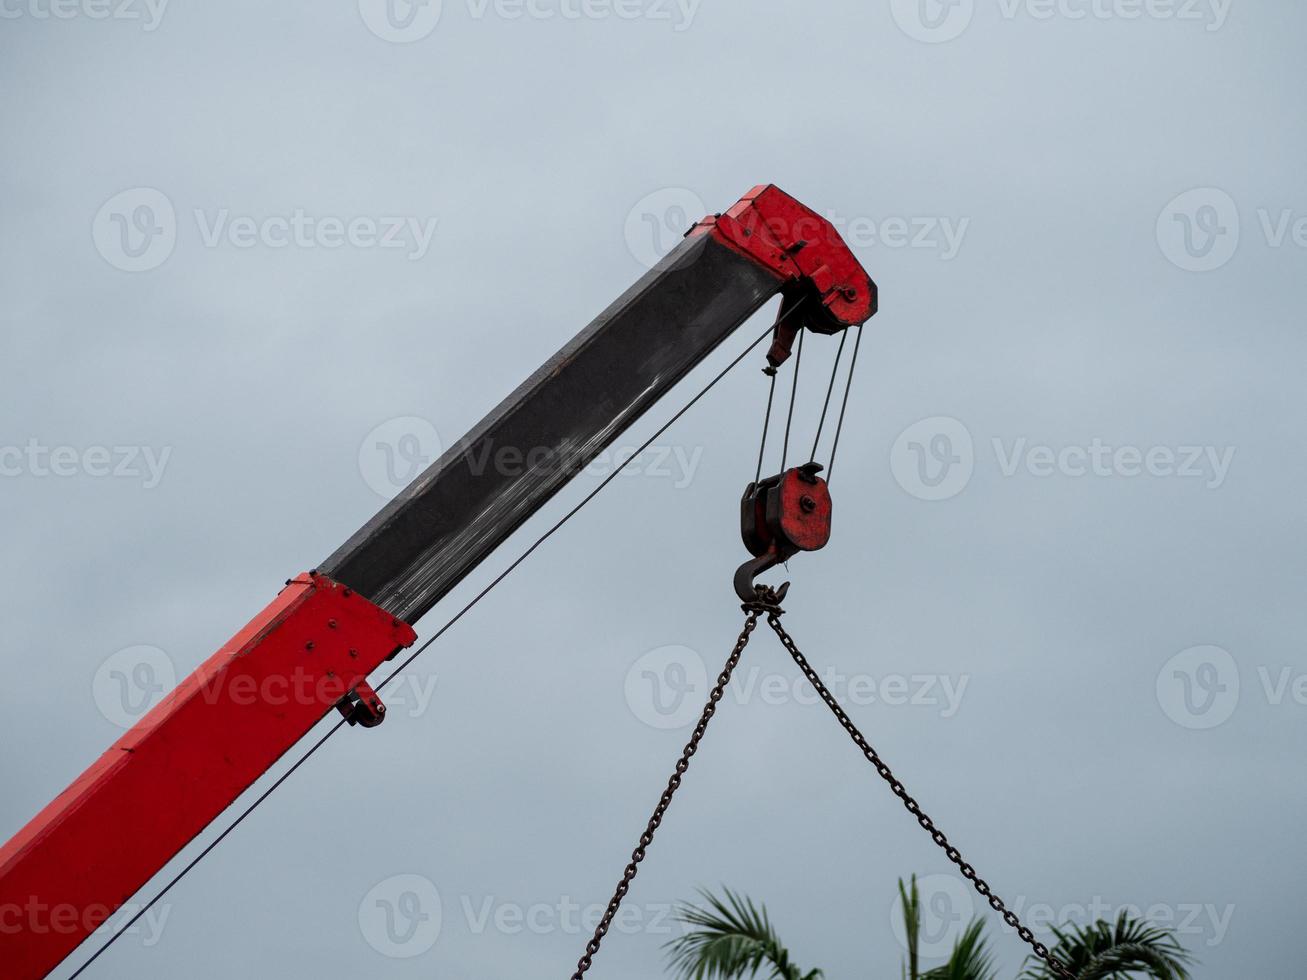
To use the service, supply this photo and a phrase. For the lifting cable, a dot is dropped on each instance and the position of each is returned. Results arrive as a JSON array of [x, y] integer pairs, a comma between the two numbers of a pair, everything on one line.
[[794, 393], [771, 372], [617, 471], [766, 421], [830, 388], [839, 427]]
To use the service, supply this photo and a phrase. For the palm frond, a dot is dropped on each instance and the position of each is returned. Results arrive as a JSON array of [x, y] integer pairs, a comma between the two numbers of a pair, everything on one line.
[[910, 899], [970, 958], [730, 938], [1116, 951]]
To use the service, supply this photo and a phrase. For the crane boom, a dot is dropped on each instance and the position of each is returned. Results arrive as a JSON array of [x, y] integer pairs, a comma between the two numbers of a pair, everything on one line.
[[313, 647]]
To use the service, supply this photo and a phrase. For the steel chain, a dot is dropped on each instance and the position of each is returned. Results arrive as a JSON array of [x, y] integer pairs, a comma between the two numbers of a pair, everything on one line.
[[912, 806], [768, 603], [754, 610]]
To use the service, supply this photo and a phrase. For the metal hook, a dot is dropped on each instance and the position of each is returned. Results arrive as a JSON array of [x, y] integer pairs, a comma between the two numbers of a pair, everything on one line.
[[751, 569]]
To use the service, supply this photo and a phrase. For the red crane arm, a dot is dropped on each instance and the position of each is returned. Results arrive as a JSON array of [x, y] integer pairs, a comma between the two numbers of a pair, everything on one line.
[[170, 776]]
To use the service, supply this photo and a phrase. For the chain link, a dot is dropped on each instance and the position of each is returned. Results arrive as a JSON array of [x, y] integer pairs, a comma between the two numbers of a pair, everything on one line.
[[768, 602], [912, 806], [682, 764]]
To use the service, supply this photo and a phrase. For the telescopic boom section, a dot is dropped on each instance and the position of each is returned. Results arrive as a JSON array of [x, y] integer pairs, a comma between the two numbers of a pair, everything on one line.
[[312, 649], [429, 537]]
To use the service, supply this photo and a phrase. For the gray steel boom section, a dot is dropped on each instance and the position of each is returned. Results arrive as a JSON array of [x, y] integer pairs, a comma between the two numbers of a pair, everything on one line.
[[465, 504]]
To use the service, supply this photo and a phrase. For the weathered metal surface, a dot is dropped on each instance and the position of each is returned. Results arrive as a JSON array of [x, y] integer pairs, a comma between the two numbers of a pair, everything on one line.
[[472, 498]]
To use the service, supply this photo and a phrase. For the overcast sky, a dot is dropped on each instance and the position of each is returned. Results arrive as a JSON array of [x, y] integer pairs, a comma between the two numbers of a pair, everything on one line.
[[258, 263]]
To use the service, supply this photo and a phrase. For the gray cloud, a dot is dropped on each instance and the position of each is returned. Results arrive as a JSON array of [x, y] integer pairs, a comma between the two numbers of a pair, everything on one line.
[[1060, 315]]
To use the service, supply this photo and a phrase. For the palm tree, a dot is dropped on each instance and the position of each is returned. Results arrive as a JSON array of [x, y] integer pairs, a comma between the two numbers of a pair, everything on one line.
[[970, 959], [731, 938], [1106, 951]]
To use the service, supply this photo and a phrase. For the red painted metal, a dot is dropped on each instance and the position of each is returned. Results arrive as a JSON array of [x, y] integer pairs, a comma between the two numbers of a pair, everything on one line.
[[362, 706], [800, 510], [167, 778], [800, 247], [787, 513], [779, 517]]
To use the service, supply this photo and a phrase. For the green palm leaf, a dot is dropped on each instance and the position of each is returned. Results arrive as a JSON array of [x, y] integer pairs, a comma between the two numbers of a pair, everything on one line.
[[910, 899], [970, 958], [1116, 951], [730, 938]]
